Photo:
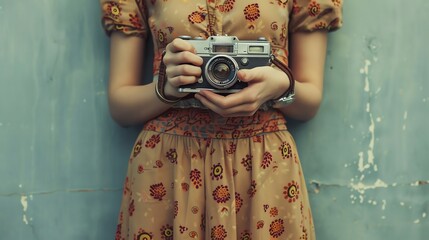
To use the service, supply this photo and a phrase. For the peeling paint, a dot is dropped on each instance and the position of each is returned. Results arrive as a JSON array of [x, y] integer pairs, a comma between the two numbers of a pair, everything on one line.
[[24, 203], [361, 187]]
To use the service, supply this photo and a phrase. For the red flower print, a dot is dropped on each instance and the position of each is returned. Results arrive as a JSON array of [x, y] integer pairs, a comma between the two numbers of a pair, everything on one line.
[[251, 12], [260, 224], [268, 158], [247, 162], [131, 208], [135, 20], [158, 191], [167, 232], [118, 232], [126, 186], [320, 25], [197, 17], [143, 235], [185, 187], [216, 172], [182, 229], [257, 139], [195, 177], [172, 155], [274, 212], [193, 234], [235, 134], [246, 235], [218, 233], [194, 209], [221, 194], [277, 228], [137, 148], [313, 9], [140, 169], [114, 10], [286, 150], [151, 143], [219, 134], [176, 208], [304, 235], [291, 191], [252, 189], [232, 148], [159, 164], [227, 6], [238, 202]]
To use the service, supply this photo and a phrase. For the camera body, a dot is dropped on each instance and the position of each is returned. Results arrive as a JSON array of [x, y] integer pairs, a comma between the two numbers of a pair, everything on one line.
[[222, 57]]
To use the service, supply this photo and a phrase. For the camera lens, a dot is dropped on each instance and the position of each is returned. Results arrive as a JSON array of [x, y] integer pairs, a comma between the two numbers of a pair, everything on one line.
[[221, 71]]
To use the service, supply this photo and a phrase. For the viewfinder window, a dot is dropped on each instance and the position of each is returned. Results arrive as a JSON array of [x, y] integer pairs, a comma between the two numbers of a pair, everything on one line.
[[223, 48], [256, 49]]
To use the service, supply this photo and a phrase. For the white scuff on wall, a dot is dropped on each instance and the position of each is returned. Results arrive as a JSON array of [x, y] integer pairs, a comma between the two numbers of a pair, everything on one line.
[[366, 161], [24, 204]]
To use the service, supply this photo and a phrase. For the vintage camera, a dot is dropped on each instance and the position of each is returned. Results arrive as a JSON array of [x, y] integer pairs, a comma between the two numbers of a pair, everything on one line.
[[223, 56]]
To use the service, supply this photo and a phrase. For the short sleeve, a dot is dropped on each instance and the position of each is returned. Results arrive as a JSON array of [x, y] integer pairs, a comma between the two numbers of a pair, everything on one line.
[[126, 16], [313, 15]]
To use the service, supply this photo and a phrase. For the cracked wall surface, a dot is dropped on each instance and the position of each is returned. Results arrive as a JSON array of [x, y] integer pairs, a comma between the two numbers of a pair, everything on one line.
[[62, 159]]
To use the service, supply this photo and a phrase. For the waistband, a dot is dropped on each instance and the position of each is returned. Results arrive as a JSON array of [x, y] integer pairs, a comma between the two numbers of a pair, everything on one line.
[[204, 123]]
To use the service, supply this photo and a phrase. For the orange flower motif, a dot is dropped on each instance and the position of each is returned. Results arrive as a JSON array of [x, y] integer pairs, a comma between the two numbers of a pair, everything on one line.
[[218, 233], [251, 12], [313, 9], [277, 228], [197, 17], [227, 6], [135, 20], [114, 10], [291, 191], [221, 194]]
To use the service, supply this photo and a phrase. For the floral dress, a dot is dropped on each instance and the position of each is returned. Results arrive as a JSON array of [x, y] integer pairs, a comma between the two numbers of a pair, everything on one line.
[[193, 174]]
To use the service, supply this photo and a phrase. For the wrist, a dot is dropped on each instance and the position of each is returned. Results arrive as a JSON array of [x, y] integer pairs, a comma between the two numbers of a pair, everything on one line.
[[289, 95], [161, 85]]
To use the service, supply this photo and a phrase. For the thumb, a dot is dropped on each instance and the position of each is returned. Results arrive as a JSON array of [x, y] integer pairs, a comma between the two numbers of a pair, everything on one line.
[[249, 75]]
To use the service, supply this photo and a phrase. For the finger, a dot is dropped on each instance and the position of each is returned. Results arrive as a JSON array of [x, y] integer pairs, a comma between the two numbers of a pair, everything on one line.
[[182, 80], [239, 110], [179, 45], [254, 74], [245, 109], [232, 100], [183, 69], [184, 57]]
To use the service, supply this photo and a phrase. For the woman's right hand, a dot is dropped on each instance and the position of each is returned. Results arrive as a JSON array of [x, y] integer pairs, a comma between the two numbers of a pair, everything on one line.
[[183, 67]]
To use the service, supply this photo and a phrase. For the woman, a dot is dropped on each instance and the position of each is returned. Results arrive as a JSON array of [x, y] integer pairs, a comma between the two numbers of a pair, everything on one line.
[[206, 165]]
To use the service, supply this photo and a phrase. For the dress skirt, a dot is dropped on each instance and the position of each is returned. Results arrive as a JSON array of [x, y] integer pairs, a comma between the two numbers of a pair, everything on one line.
[[193, 174]]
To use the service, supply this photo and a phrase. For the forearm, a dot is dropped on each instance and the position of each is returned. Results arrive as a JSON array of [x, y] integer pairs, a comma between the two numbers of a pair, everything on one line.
[[307, 101], [133, 105]]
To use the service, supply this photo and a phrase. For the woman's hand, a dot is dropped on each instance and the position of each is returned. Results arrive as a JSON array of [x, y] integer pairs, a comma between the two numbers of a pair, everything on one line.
[[264, 83], [182, 66]]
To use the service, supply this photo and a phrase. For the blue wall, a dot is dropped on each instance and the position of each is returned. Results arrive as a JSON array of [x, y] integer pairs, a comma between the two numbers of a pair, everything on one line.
[[63, 160]]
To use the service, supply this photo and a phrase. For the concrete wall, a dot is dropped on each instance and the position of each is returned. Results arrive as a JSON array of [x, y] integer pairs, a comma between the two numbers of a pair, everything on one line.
[[63, 160]]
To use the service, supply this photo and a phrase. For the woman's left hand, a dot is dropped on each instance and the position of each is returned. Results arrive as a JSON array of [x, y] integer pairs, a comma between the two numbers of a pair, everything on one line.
[[264, 83]]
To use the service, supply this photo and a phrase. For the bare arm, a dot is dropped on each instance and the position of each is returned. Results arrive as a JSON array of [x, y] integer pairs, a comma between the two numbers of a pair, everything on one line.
[[130, 102], [307, 61]]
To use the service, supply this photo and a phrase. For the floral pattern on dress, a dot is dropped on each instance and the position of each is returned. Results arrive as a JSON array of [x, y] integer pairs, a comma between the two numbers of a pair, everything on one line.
[[192, 173]]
